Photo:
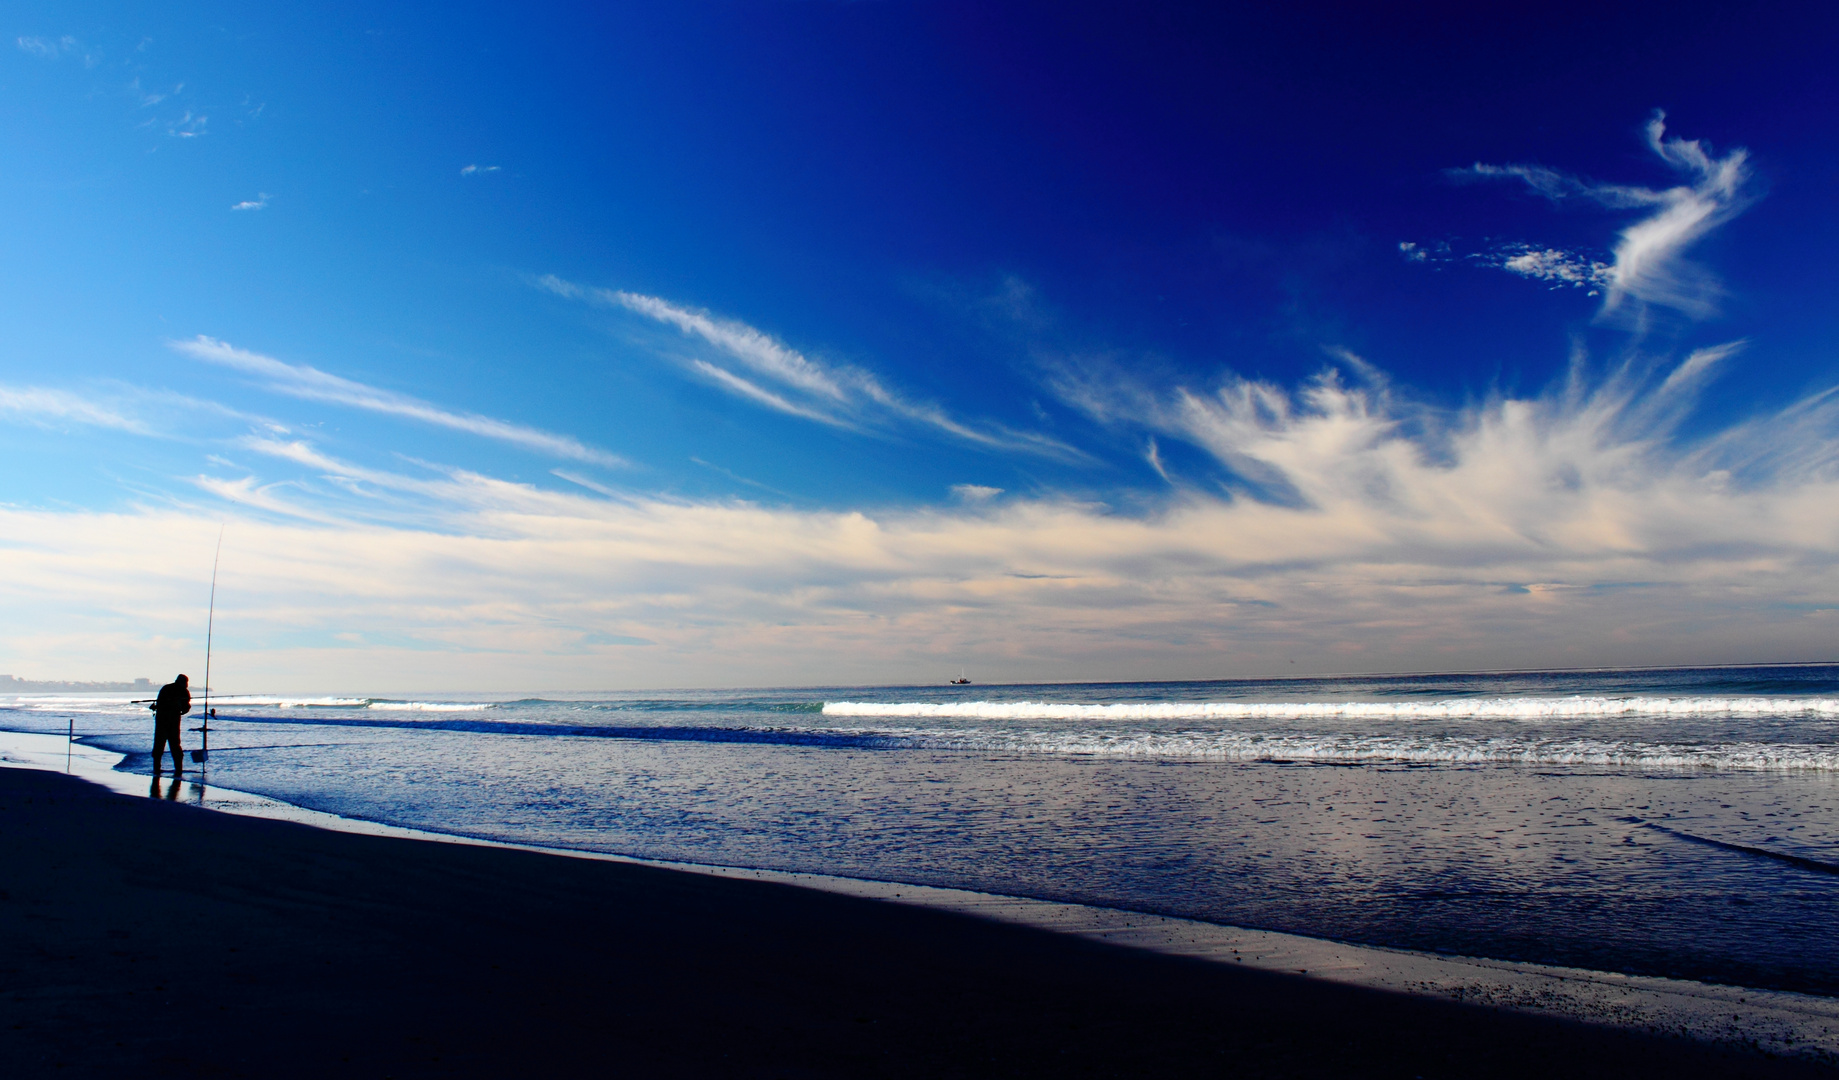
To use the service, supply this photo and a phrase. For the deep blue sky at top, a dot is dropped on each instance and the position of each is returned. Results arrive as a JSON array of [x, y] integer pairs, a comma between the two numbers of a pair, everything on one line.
[[1185, 189]]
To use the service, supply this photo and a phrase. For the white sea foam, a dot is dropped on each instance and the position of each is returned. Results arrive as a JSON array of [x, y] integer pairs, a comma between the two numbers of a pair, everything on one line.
[[278, 702], [1494, 708], [284, 702], [70, 702], [1351, 749]]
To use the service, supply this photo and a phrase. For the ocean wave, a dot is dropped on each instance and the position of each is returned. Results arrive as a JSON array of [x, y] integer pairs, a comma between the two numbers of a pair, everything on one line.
[[1495, 708], [830, 737], [275, 701], [69, 702], [1218, 746], [1382, 749], [283, 702]]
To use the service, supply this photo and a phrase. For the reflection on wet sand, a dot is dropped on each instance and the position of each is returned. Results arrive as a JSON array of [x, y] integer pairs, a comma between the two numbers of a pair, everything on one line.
[[169, 790]]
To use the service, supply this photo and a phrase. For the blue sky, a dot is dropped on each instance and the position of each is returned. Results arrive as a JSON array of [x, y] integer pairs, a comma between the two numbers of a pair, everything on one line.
[[703, 344]]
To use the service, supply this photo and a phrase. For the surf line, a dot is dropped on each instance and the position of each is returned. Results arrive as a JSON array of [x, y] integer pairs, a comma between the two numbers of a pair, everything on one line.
[[1804, 863]]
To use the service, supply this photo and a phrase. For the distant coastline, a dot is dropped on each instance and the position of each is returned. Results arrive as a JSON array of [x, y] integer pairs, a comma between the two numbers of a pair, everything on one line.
[[16, 685]]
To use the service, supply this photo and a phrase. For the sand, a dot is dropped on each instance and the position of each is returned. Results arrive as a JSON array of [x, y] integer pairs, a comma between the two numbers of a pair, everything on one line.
[[164, 939]]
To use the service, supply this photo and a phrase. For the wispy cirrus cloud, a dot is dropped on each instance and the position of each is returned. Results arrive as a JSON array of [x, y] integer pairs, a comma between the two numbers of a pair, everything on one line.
[[1359, 448], [1574, 527], [260, 202], [784, 379], [54, 48], [312, 384], [1544, 469], [189, 125], [1559, 268], [1339, 522], [1649, 263], [48, 47], [474, 170], [247, 491], [1361, 530], [974, 493], [758, 394], [40, 405], [1555, 266], [147, 99]]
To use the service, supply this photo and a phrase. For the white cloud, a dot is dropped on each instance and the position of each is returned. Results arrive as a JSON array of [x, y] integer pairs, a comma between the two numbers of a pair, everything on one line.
[[1576, 527], [1153, 454], [246, 491], [473, 170], [146, 99], [53, 48], [50, 48], [45, 406], [257, 203], [587, 482], [1364, 451], [188, 126], [1555, 266], [1649, 265], [975, 493], [835, 394], [1561, 268], [736, 477], [311, 384], [733, 383], [1359, 531]]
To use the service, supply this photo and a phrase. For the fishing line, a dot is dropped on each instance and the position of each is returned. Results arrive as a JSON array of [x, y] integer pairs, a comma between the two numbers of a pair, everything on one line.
[[203, 753]]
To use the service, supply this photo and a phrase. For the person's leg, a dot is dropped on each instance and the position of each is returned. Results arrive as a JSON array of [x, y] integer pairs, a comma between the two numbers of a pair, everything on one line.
[[169, 738]]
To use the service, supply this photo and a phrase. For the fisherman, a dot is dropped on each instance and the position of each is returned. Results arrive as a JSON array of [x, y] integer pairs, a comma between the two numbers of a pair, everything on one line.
[[175, 700]]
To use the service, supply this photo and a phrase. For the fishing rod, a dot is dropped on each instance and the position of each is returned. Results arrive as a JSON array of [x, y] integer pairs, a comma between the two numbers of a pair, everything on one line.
[[203, 754]]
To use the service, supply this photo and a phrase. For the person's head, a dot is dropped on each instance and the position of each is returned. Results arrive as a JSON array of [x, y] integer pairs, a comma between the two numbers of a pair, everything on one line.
[[180, 681]]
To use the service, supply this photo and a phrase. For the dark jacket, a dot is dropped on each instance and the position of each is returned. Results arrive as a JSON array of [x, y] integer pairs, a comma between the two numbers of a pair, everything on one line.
[[174, 701]]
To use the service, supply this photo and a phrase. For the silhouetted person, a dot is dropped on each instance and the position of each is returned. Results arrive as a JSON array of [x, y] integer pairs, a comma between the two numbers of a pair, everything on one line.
[[175, 700]]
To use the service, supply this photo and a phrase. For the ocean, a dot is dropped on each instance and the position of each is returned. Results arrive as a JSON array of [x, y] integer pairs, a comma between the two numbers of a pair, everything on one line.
[[1682, 823]]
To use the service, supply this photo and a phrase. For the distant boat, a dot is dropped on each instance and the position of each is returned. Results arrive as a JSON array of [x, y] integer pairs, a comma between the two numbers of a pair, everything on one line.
[[960, 680]]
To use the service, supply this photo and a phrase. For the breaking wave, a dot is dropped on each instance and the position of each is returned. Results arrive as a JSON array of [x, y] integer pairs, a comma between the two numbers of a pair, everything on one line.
[[1494, 708], [284, 702], [381, 704], [1197, 745], [1381, 749]]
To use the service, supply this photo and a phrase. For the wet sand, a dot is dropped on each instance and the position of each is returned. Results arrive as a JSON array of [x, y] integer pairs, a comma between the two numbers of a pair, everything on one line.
[[168, 940]]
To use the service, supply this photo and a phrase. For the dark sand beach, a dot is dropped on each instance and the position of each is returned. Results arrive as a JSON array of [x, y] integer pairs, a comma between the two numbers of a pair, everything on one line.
[[159, 939]]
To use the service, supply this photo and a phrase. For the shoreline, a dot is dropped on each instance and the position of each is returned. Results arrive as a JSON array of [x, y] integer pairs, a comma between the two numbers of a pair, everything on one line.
[[143, 934], [1776, 1022]]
